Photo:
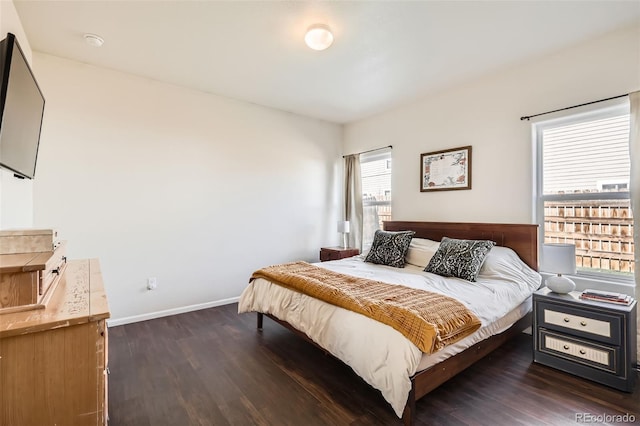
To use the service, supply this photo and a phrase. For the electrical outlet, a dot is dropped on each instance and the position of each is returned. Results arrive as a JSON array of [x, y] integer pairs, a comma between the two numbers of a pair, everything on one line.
[[152, 283]]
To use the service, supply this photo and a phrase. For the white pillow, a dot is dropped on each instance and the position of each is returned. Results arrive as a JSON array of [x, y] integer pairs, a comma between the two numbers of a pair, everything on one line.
[[504, 264], [424, 243], [421, 251]]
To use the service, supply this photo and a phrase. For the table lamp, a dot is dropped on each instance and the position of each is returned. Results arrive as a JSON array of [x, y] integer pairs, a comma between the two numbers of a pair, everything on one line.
[[559, 259], [343, 228]]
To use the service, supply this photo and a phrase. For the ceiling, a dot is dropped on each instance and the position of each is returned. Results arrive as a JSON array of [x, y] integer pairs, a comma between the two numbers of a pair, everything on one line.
[[385, 53]]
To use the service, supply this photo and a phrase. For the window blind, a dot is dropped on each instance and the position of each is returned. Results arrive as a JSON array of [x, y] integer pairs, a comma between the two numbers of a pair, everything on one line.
[[591, 156]]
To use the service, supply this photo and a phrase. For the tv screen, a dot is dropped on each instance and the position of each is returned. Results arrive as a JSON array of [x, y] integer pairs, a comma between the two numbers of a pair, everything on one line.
[[21, 111]]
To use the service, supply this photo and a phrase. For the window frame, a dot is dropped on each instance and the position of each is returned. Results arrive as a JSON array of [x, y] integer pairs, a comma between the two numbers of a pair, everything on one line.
[[537, 129], [383, 154]]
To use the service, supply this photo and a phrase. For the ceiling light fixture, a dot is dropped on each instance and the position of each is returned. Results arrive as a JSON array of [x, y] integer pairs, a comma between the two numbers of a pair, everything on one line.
[[94, 40], [318, 37]]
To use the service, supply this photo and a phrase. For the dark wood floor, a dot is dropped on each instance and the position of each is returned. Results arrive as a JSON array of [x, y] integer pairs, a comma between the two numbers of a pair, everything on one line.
[[212, 367]]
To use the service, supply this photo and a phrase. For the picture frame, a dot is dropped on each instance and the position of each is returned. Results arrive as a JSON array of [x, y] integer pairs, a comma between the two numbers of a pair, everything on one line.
[[446, 170]]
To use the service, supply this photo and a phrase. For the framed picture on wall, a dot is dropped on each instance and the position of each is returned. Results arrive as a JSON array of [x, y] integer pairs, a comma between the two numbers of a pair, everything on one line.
[[446, 170]]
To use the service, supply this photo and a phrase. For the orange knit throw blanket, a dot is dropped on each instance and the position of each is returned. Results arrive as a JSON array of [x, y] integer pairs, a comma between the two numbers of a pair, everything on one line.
[[429, 320]]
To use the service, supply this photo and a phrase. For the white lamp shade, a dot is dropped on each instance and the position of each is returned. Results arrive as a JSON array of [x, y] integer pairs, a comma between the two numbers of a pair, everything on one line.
[[318, 37], [343, 226], [558, 258]]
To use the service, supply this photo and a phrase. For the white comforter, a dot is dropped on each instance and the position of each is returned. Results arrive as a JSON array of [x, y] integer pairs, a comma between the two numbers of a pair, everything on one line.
[[376, 352]]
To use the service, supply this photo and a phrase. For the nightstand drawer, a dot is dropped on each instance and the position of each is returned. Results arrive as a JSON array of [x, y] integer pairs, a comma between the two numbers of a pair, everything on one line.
[[584, 352], [580, 322], [588, 325]]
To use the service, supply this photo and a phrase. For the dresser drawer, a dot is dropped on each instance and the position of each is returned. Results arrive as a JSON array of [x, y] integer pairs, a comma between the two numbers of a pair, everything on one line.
[[600, 326], [588, 353], [54, 268], [27, 280]]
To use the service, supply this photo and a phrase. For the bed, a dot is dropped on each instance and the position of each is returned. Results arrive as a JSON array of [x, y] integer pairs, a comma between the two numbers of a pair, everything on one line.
[[392, 364]]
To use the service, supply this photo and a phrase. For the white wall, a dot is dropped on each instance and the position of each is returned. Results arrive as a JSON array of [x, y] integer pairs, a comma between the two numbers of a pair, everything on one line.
[[485, 114], [16, 195], [194, 189]]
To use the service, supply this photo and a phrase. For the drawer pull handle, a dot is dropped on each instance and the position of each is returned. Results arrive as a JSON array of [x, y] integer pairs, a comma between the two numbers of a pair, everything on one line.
[[566, 347], [582, 351], [63, 260], [566, 320], [583, 323]]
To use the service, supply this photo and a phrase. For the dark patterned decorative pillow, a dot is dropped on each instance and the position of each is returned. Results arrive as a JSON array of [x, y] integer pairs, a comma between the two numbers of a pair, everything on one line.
[[389, 248], [459, 258]]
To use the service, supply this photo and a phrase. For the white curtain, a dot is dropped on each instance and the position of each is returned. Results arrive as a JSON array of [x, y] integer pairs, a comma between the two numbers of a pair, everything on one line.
[[634, 153], [353, 199]]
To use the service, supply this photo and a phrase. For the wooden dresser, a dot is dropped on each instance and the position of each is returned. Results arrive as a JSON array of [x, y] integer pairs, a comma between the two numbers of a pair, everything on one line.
[[53, 360]]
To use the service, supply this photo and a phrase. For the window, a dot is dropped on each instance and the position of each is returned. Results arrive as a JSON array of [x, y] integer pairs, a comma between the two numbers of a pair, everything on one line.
[[375, 168], [583, 189]]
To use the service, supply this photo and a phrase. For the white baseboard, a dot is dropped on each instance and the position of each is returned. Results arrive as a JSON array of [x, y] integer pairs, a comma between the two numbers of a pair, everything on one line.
[[168, 312]]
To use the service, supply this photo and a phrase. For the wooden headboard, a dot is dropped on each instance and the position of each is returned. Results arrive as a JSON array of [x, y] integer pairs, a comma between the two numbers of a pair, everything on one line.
[[521, 238]]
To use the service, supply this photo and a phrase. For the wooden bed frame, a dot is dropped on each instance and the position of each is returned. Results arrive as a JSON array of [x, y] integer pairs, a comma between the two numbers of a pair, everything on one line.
[[522, 238]]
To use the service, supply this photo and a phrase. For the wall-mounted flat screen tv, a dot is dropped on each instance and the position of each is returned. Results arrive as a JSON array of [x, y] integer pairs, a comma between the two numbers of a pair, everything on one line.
[[21, 111]]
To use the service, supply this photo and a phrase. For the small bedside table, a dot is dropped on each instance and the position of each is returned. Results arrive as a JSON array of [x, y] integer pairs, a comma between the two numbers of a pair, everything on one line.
[[335, 253], [593, 340]]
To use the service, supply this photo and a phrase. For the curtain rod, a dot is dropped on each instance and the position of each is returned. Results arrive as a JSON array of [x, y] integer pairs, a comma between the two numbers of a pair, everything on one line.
[[371, 150], [527, 117]]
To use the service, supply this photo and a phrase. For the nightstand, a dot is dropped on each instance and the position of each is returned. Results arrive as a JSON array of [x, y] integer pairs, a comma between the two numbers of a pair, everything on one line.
[[593, 340], [335, 253]]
